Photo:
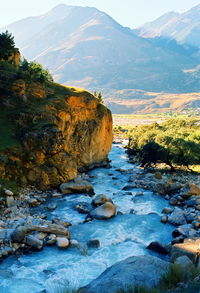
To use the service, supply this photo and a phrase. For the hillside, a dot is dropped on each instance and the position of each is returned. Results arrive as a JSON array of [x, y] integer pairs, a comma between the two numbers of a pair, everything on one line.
[[85, 47]]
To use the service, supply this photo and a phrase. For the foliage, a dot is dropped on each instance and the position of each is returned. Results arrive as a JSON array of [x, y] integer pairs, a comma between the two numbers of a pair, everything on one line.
[[7, 45], [176, 141], [35, 71], [99, 96]]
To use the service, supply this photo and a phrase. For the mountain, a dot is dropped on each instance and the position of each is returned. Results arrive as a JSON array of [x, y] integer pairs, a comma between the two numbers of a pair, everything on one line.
[[184, 28], [85, 47]]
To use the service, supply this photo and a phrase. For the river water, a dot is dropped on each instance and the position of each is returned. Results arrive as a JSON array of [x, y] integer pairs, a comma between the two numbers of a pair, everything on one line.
[[125, 235]]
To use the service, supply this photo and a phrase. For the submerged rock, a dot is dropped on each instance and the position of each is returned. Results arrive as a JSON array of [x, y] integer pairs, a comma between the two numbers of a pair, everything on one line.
[[104, 212], [133, 271]]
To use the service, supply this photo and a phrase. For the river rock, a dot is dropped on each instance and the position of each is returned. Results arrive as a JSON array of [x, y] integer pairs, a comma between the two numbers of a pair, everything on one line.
[[104, 212], [189, 247], [100, 199], [10, 201], [50, 229], [77, 187], [93, 243], [83, 207], [168, 188], [19, 234], [190, 189], [157, 247], [133, 271], [34, 242], [184, 230], [167, 210], [8, 192], [62, 242], [177, 217], [51, 239]]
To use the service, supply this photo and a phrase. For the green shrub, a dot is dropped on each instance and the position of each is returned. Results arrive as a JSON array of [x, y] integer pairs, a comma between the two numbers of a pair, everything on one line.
[[176, 141]]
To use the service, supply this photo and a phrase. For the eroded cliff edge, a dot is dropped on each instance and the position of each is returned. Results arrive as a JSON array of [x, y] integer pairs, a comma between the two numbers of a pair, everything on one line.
[[48, 132]]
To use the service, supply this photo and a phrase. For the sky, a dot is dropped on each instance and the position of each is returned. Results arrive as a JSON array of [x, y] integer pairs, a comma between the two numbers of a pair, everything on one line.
[[131, 13]]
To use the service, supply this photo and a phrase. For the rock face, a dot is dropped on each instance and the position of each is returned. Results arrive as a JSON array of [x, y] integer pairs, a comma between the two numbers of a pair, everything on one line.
[[52, 131], [136, 270]]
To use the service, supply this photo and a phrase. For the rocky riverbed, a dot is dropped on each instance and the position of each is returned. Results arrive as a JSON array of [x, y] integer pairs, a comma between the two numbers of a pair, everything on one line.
[[91, 223]]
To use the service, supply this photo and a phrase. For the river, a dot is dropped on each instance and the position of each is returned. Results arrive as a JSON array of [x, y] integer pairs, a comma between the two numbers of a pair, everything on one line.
[[127, 234]]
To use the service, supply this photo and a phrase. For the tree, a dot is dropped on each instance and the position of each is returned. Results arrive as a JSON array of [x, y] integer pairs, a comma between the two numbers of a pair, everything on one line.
[[152, 153], [7, 45], [98, 96], [36, 71]]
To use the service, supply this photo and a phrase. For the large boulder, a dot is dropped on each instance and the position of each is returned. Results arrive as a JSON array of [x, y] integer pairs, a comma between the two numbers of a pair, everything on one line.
[[137, 270], [77, 187], [104, 212], [177, 217]]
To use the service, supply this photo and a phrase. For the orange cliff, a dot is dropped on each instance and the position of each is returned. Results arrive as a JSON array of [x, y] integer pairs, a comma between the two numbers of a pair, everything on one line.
[[57, 131]]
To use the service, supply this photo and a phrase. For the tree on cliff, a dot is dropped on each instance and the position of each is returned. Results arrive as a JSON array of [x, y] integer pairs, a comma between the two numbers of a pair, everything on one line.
[[7, 45], [99, 96]]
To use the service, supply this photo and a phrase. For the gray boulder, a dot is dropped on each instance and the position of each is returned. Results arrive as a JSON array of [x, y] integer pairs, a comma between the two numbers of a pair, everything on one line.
[[34, 242], [137, 270], [19, 234], [104, 212], [177, 217]]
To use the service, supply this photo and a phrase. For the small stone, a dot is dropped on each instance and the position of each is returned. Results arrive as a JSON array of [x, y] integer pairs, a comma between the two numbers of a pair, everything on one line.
[[198, 207], [139, 193], [51, 239], [167, 210], [83, 208], [173, 201], [100, 199], [8, 192], [34, 242], [41, 236], [62, 242], [164, 219]]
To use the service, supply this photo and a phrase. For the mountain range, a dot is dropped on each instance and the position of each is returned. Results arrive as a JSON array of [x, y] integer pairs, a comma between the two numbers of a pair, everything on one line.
[[85, 47]]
